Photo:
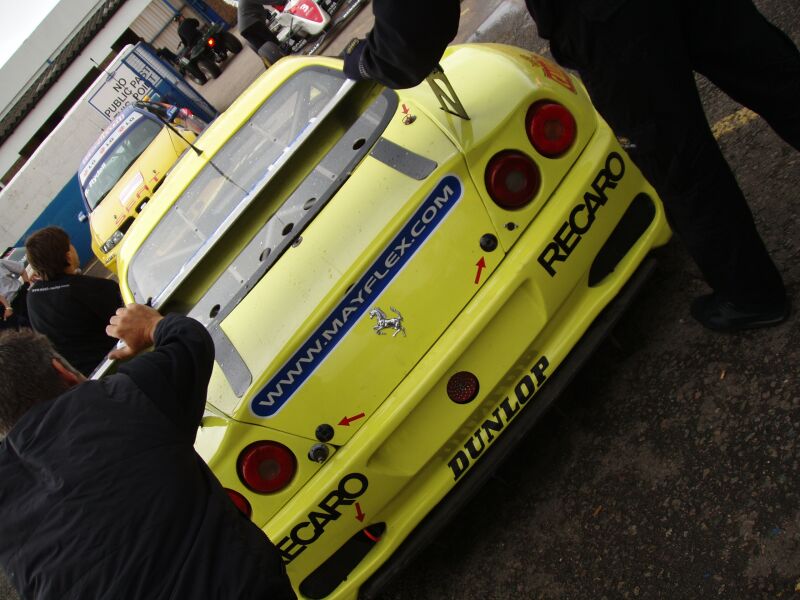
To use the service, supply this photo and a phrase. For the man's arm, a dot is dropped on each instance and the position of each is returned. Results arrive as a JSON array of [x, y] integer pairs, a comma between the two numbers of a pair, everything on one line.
[[6, 306], [12, 265], [175, 374], [406, 42]]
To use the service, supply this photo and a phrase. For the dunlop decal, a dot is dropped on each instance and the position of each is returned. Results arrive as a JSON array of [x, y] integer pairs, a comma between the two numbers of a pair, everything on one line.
[[499, 419]]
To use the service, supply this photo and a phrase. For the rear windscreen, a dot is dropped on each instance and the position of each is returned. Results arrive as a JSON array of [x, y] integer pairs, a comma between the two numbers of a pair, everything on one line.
[[230, 178]]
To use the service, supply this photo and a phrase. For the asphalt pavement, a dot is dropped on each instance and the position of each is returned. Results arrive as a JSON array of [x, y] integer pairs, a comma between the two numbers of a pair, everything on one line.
[[669, 469]]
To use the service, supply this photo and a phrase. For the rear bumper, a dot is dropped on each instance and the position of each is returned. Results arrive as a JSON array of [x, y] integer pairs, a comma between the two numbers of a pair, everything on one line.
[[473, 481], [420, 456]]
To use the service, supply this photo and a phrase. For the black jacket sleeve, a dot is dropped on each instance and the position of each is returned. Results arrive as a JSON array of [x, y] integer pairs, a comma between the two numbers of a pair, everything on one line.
[[174, 376], [408, 40]]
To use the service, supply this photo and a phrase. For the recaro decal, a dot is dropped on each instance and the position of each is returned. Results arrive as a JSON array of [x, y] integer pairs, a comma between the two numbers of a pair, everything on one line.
[[351, 487], [582, 215], [499, 419], [333, 329]]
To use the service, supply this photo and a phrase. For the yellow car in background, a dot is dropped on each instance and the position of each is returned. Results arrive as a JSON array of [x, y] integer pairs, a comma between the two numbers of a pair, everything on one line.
[[398, 284], [126, 165]]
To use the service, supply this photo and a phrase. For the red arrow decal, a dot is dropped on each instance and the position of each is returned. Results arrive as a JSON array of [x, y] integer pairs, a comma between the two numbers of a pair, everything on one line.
[[481, 264], [359, 515], [405, 109], [347, 420]]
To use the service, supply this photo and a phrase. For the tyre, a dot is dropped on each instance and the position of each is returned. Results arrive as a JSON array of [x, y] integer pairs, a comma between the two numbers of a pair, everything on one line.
[[232, 43], [269, 53], [209, 68], [194, 74]]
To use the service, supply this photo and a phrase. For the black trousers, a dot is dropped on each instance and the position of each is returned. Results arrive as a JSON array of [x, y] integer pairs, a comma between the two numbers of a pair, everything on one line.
[[258, 34], [638, 65]]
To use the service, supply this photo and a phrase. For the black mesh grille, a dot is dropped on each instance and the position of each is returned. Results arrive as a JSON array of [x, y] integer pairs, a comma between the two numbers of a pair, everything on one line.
[[341, 563], [630, 228]]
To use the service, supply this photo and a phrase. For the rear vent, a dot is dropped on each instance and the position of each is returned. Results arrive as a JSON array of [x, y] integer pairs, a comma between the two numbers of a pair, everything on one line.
[[630, 228], [341, 563]]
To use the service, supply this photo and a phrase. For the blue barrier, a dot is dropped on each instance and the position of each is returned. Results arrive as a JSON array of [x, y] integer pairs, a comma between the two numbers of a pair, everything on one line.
[[63, 211], [208, 13]]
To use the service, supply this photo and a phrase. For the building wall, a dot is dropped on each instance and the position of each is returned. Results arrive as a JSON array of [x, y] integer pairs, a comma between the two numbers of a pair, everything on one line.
[[37, 50], [154, 25], [94, 54], [51, 169]]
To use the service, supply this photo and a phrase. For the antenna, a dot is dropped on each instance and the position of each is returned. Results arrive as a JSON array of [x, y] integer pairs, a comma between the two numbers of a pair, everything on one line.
[[445, 94], [170, 126], [109, 74]]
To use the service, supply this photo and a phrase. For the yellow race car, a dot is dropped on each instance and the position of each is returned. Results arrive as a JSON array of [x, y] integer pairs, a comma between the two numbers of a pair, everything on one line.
[[398, 284], [125, 166]]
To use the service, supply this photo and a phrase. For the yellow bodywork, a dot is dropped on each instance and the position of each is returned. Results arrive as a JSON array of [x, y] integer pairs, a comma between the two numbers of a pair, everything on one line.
[[510, 315], [132, 192]]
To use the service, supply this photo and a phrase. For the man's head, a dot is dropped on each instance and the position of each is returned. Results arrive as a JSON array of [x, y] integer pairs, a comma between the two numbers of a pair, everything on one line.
[[50, 253], [31, 371], [178, 18]]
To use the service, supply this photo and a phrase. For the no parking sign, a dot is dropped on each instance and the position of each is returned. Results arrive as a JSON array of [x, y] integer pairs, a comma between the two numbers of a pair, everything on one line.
[[138, 72], [125, 86]]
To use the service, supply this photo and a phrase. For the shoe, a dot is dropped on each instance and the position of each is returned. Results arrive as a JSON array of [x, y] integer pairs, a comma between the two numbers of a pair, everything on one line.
[[719, 314]]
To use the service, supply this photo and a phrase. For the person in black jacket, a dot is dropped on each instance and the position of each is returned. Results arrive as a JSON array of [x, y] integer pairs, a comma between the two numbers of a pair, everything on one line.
[[637, 59], [69, 308], [102, 494], [188, 30]]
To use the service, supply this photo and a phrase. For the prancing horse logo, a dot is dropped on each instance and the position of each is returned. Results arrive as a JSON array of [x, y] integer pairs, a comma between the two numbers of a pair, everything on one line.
[[385, 323]]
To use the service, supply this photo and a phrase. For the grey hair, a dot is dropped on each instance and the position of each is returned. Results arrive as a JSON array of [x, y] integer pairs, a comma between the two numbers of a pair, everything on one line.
[[27, 375]]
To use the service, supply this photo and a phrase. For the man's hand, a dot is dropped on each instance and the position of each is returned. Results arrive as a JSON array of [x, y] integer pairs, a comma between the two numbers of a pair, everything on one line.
[[135, 325]]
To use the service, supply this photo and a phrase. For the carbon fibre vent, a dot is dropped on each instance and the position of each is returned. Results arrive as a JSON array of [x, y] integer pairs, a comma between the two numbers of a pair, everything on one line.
[[341, 563], [630, 228]]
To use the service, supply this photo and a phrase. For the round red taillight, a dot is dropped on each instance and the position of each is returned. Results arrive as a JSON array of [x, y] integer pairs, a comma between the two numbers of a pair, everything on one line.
[[240, 501], [267, 467], [512, 179], [551, 128], [462, 387], [212, 42]]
